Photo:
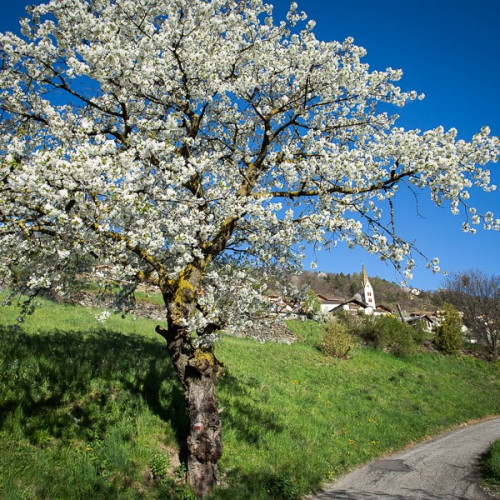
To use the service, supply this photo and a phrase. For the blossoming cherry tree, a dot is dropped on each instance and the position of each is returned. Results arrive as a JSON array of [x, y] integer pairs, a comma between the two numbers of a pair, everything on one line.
[[196, 145]]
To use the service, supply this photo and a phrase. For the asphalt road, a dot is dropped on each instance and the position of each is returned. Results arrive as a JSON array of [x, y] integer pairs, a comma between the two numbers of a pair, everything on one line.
[[444, 468]]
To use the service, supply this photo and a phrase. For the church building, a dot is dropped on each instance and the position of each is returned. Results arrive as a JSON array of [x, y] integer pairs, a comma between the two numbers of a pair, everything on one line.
[[367, 295]]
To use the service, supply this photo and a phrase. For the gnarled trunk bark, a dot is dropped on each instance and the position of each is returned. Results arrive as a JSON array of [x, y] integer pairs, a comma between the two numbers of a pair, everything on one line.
[[198, 371], [204, 441]]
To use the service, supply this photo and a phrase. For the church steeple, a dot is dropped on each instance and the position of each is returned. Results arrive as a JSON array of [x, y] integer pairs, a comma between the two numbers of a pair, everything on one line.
[[367, 293], [365, 276]]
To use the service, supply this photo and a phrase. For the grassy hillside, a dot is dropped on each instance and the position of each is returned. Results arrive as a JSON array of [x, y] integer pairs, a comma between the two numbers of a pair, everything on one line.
[[93, 412]]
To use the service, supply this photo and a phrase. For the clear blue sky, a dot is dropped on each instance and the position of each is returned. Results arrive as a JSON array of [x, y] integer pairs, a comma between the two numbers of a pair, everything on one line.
[[447, 49]]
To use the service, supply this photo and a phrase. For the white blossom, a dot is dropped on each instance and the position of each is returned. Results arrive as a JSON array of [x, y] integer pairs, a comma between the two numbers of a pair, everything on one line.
[[102, 316], [219, 140]]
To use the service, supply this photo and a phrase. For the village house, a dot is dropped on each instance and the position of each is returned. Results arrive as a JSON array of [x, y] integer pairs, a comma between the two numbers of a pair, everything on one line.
[[327, 305], [427, 320], [361, 303], [382, 310], [356, 306], [285, 309]]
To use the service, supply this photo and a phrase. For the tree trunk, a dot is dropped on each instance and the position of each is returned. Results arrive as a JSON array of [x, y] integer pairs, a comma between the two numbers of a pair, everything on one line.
[[204, 441], [198, 371]]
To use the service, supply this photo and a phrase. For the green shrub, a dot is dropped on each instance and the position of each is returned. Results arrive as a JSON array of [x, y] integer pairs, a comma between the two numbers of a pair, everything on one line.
[[160, 463], [389, 333], [449, 336], [337, 342], [281, 487], [169, 488], [349, 320], [490, 464], [419, 332]]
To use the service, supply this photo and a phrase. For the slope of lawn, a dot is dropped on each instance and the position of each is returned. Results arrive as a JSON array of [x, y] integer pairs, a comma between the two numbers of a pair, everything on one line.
[[90, 410], [490, 469]]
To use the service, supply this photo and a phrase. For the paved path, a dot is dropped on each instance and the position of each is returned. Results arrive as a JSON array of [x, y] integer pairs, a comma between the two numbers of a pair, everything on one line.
[[444, 468]]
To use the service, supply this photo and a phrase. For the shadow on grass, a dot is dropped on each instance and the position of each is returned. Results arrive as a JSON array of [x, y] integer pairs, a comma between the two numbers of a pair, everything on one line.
[[72, 384], [75, 384], [278, 485], [244, 416]]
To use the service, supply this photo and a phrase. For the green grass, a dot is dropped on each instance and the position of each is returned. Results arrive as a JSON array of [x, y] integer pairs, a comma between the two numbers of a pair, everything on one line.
[[49, 315], [490, 466], [87, 411], [153, 298], [294, 416]]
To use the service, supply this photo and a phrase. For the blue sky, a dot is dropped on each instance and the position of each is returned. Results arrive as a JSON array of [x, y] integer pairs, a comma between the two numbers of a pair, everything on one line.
[[447, 49]]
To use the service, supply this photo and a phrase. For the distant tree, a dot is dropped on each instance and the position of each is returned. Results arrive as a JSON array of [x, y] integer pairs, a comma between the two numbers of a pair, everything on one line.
[[449, 335], [388, 333], [477, 296], [354, 287], [311, 305], [185, 143]]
